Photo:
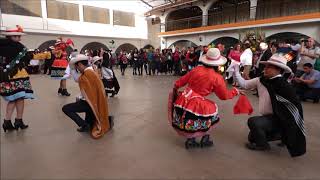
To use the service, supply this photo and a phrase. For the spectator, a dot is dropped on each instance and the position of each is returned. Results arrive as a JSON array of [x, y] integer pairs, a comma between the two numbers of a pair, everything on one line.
[[176, 61], [308, 53], [308, 85], [246, 60]]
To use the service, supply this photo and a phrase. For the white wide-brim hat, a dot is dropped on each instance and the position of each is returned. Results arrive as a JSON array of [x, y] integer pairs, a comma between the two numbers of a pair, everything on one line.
[[213, 58], [13, 31], [95, 59], [279, 61], [78, 58]]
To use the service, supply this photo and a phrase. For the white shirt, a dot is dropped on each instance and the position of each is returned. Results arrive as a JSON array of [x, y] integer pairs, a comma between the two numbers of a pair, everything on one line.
[[246, 57], [106, 73], [265, 107]]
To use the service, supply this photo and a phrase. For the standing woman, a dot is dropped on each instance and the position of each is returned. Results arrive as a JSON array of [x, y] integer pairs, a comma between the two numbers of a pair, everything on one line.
[[135, 62], [194, 115], [123, 62], [15, 85], [234, 56], [141, 61]]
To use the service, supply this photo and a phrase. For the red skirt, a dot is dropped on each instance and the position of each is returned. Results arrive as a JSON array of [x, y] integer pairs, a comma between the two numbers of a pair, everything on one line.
[[196, 104], [60, 63], [191, 115]]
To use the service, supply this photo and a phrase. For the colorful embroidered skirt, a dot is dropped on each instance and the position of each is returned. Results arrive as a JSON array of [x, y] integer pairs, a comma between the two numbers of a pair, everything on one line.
[[58, 68], [193, 115], [17, 87]]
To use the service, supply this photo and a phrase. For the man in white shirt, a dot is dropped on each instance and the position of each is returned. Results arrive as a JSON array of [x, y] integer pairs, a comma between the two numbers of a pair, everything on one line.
[[246, 60], [280, 109]]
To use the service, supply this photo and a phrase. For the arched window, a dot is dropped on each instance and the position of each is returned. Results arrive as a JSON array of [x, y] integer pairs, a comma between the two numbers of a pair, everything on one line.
[[93, 46], [125, 47], [229, 11], [277, 8], [47, 44], [288, 37], [182, 44], [185, 18]]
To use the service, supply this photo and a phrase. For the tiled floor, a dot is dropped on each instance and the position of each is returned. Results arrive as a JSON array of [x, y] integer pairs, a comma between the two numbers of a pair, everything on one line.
[[143, 145]]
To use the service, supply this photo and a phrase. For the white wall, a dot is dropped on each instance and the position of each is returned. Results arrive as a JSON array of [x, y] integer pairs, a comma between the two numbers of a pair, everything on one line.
[[33, 41], [57, 26], [311, 29]]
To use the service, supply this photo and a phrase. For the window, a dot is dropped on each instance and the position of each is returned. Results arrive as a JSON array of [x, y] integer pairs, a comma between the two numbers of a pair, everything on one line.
[[21, 7], [62, 10], [96, 15], [123, 18]]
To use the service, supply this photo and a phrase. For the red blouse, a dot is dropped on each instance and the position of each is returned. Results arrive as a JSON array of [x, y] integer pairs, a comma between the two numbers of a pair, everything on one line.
[[235, 55], [204, 81]]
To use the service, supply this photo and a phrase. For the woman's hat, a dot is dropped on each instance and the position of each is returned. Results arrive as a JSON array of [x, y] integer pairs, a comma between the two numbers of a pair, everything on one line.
[[13, 31], [95, 59], [213, 58], [279, 61], [78, 58]]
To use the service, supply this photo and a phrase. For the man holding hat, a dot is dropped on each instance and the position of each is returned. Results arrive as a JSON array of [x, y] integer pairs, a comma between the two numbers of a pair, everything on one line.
[[93, 100], [280, 109]]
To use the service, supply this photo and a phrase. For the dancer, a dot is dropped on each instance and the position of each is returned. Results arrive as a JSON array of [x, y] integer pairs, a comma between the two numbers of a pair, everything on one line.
[[15, 85], [92, 101], [107, 75], [193, 114], [60, 64], [281, 111]]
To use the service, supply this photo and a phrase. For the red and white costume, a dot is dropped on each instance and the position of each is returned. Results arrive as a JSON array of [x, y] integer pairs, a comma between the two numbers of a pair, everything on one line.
[[193, 114]]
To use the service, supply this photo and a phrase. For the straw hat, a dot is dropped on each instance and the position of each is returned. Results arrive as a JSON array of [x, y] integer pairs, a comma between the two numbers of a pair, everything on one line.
[[279, 61], [78, 58], [213, 58], [95, 59], [13, 31]]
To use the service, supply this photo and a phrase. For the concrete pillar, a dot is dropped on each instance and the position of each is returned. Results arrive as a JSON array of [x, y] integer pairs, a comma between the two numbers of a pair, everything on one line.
[[81, 18], [253, 9], [111, 16], [44, 14], [205, 17]]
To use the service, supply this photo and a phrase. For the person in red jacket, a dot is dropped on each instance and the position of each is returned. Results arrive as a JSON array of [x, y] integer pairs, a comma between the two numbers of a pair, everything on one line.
[[193, 114]]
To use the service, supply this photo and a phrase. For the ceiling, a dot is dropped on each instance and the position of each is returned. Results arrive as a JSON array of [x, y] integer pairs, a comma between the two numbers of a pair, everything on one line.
[[162, 5]]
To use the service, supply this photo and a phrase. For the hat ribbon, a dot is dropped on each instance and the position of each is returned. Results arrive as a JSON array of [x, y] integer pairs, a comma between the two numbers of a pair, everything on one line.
[[213, 58]]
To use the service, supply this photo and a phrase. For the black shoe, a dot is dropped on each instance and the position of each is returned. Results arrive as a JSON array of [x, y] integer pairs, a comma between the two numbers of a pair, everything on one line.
[[59, 91], [253, 146], [111, 122], [315, 101], [206, 142], [191, 143], [84, 128], [19, 124], [7, 125], [281, 144], [65, 92]]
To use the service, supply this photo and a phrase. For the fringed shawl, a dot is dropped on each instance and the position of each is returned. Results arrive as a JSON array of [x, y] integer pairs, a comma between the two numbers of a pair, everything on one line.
[[92, 89]]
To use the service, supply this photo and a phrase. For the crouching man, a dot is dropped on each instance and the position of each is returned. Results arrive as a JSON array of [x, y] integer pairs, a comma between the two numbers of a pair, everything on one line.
[[92, 101], [281, 111]]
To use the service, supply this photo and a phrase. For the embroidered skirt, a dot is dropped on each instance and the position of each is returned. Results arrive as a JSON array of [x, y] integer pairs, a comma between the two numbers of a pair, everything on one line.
[[17, 87], [58, 68], [193, 115]]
